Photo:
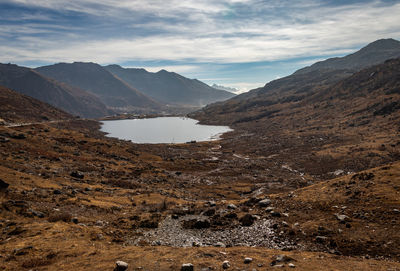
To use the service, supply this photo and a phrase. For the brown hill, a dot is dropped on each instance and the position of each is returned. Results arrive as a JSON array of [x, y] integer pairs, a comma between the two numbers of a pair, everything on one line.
[[33, 84], [93, 78], [16, 107]]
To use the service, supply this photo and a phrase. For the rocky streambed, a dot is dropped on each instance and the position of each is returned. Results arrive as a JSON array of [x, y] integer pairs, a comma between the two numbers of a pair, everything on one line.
[[171, 232]]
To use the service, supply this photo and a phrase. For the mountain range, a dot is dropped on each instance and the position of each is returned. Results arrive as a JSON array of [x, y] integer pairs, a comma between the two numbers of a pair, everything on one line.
[[90, 90], [169, 87]]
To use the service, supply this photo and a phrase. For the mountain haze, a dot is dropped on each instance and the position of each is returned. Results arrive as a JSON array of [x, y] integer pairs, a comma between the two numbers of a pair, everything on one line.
[[170, 87], [94, 78], [70, 99]]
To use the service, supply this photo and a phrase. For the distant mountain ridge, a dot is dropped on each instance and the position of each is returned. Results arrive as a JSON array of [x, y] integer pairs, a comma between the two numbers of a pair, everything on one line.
[[230, 89], [92, 77], [169, 87], [70, 99]]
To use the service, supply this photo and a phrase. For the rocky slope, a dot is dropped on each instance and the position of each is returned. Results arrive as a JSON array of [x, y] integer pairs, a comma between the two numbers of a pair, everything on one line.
[[65, 97], [17, 108], [170, 87], [93, 78]]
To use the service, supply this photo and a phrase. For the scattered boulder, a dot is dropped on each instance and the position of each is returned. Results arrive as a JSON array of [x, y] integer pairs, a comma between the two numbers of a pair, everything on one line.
[[121, 266], [209, 212], [321, 239], [226, 265], [275, 214], [264, 202], [342, 218], [4, 139], [57, 192], [281, 259], [211, 203], [36, 213], [3, 185], [247, 260], [187, 267], [247, 220], [232, 206], [18, 136], [219, 244], [76, 174]]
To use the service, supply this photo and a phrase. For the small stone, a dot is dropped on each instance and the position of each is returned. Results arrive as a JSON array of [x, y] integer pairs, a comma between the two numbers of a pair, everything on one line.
[[321, 239], [226, 265], [121, 266], [57, 192], [231, 206], [396, 211], [75, 220], [269, 209], [220, 244], [275, 214], [264, 202], [342, 218], [187, 267], [291, 265], [247, 260], [212, 203], [77, 175]]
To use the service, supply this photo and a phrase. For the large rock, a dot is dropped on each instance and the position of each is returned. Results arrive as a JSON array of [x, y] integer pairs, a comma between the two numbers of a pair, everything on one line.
[[226, 265], [3, 185], [247, 220], [264, 202], [120, 266], [187, 267]]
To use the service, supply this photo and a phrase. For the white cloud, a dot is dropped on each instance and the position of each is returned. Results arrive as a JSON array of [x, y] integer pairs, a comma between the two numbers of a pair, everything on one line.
[[201, 32]]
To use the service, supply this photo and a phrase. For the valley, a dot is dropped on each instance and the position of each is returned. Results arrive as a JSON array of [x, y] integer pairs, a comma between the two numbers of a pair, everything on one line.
[[309, 179]]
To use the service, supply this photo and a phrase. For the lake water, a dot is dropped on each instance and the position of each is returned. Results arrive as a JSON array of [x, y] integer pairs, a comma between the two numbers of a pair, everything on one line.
[[162, 130]]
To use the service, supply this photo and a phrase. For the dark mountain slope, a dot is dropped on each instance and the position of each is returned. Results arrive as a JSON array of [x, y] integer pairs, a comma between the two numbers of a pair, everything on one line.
[[16, 107], [170, 87], [94, 78], [70, 99]]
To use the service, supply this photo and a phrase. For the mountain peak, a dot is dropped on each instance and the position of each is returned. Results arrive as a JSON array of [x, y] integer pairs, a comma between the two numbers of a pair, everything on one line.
[[383, 44], [374, 53]]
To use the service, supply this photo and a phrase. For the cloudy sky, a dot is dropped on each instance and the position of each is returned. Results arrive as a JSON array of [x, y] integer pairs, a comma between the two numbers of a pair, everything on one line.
[[236, 43]]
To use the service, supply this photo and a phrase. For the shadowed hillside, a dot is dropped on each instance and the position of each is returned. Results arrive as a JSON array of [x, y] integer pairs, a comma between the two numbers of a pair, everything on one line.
[[95, 79], [70, 99], [16, 107]]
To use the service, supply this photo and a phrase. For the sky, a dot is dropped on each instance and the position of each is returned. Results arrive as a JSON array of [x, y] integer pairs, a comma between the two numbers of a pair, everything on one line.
[[236, 43]]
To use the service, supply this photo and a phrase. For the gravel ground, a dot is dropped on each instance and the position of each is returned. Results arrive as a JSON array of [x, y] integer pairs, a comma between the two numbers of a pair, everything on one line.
[[171, 233]]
